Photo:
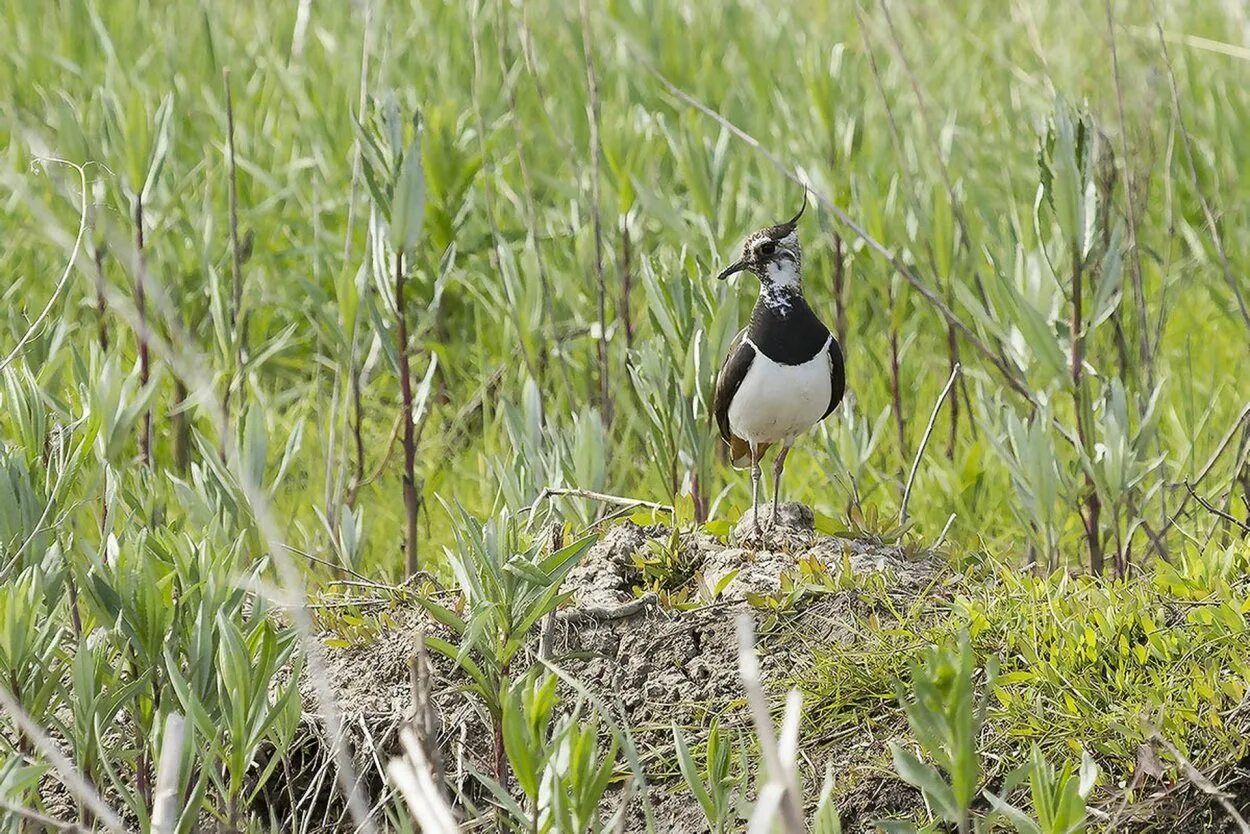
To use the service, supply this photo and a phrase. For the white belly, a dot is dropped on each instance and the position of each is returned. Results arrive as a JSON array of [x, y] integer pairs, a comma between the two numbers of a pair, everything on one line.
[[776, 403]]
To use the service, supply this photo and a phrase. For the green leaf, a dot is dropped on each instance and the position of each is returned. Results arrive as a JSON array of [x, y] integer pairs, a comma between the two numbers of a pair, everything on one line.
[[160, 147], [826, 820], [690, 772], [408, 207], [517, 744], [443, 615], [925, 777], [1014, 815], [563, 560]]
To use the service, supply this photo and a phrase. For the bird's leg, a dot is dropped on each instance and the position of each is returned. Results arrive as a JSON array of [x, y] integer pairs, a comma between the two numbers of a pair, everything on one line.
[[755, 489], [778, 465]]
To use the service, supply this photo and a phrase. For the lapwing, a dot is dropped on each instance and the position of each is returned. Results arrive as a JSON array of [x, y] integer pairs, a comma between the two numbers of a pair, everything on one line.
[[784, 372]]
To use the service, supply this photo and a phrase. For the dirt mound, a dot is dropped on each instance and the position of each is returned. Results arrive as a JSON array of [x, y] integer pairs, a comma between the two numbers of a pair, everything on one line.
[[655, 663]]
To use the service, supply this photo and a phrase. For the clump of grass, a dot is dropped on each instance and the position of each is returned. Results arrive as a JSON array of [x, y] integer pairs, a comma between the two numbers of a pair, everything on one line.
[[1082, 666]]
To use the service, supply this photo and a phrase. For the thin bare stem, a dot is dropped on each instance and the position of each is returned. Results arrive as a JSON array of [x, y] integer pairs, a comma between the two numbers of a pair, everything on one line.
[[412, 562], [37, 324], [1216, 511], [924, 442], [1210, 464], [141, 328], [1201, 782], [619, 500]]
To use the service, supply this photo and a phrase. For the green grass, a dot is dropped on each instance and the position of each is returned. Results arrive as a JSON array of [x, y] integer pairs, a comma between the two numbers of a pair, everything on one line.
[[993, 150]]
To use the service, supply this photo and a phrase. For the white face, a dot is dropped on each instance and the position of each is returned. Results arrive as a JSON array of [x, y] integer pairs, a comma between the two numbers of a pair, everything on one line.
[[782, 272]]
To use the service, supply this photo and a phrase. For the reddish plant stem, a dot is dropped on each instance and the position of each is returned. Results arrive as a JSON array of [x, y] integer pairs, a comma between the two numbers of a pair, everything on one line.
[[357, 424], [182, 427], [952, 350], [141, 308], [412, 562], [1093, 505], [238, 328], [596, 150], [101, 304]]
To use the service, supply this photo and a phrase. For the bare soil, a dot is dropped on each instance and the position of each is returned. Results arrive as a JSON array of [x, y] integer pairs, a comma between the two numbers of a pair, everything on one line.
[[655, 665]]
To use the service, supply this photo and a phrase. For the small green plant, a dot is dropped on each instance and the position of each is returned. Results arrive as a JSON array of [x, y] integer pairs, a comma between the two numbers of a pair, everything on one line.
[[716, 786], [559, 761], [508, 584], [249, 715], [666, 564], [945, 712], [1058, 797], [810, 578]]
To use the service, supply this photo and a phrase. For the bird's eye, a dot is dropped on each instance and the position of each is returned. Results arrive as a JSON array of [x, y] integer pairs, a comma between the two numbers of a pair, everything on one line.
[[768, 249]]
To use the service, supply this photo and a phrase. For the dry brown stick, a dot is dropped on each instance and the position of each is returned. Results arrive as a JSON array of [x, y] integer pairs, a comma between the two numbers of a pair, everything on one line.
[[1210, 464], [1216, 511], [551, 492], [604, 613], [412, 562], [327, 563]]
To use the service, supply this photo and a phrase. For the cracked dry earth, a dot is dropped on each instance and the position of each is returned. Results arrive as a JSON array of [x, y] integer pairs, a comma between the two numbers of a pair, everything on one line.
[[656, 665]]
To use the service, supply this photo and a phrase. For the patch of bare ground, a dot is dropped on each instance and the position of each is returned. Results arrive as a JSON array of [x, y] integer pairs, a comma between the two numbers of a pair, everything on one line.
[[653, 664]]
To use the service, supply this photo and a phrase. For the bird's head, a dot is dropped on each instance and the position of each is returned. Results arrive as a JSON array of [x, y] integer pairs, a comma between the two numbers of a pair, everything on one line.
[[773, 255]]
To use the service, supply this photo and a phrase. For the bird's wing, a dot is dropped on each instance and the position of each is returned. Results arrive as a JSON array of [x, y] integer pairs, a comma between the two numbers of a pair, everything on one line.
[[737, 363], [837, 377]]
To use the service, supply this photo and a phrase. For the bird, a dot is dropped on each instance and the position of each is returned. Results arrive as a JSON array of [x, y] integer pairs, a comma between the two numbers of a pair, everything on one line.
[[784, 372]]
